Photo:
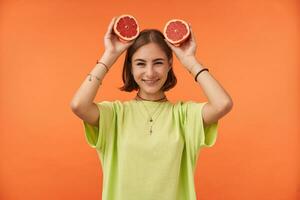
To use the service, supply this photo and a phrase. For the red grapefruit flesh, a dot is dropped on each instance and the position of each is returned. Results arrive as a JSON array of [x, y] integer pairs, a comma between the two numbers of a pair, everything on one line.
[[126, 28], [176, 31]]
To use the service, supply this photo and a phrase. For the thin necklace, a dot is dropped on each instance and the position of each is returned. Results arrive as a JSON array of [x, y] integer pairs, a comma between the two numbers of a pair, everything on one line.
[[151, 120]]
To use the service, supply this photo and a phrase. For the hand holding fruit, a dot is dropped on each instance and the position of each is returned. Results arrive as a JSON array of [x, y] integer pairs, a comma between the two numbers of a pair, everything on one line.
[[185, 51], [112, 44]]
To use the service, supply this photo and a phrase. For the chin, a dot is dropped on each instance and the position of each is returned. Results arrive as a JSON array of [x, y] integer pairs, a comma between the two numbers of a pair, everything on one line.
[[151, 90]]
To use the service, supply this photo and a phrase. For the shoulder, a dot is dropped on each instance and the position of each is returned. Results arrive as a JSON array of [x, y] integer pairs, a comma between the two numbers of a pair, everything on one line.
[[114, 105], [189, 104], [187, 108]]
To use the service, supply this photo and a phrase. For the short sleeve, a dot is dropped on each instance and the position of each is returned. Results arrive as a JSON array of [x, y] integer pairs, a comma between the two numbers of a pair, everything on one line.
[[196, 134], [96, 137]]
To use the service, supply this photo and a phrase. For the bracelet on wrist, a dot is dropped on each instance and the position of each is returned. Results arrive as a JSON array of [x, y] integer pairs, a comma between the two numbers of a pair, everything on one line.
[[99, 62], [204, 69]]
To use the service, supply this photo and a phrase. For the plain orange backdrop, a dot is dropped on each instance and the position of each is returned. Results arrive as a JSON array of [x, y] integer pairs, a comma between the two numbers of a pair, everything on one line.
[[250, 46]]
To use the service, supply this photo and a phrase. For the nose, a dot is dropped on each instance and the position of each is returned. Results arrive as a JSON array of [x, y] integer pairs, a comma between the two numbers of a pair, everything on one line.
[[150, 72]]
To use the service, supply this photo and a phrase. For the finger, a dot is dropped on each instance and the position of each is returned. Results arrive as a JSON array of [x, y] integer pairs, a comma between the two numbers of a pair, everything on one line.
[[110, 27], [192, 33], [169, 44], [129, 43]]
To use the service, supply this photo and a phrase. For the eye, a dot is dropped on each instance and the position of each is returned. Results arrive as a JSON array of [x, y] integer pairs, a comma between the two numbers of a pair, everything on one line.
[[140, 64], [159, 63]]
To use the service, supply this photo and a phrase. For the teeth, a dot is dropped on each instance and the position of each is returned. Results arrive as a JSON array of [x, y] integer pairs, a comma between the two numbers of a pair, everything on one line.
[[150, 81]]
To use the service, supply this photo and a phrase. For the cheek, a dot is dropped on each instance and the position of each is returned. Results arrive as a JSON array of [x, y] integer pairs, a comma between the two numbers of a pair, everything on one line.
[[136, 75], [165, 72]]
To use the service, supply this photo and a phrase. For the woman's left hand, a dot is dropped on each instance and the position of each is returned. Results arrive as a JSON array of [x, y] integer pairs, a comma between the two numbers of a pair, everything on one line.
[[186, 51]]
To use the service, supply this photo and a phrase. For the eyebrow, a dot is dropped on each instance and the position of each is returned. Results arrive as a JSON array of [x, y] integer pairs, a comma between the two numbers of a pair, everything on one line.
[[157, 59]]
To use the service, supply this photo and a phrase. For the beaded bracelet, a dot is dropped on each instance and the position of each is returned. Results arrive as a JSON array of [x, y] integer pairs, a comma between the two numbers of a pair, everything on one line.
[[99, 62], [205, 69]]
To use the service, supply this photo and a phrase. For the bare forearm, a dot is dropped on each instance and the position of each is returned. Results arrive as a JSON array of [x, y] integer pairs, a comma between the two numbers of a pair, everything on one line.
[[216, 94], [87, 91]]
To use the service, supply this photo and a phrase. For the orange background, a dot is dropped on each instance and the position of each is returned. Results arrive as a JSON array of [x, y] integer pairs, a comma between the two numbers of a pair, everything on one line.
[[250, 47]]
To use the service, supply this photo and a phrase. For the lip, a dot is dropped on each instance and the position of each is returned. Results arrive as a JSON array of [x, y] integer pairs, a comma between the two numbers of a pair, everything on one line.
[[150, 82]]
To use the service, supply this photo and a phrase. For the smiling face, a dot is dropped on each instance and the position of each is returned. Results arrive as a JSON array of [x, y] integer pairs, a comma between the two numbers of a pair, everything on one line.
[[150, 67]]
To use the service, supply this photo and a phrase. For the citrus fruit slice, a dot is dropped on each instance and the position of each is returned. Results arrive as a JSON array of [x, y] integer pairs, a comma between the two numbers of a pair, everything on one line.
[[126, 28], [176, 31]]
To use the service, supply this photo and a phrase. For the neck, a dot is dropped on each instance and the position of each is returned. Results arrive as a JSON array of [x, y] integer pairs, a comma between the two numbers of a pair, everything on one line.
[[163, 98]]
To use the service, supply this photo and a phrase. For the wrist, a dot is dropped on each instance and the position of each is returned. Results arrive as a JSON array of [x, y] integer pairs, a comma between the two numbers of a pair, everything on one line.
[[191, 62], [195, 69], [108, 59], [194, 65]]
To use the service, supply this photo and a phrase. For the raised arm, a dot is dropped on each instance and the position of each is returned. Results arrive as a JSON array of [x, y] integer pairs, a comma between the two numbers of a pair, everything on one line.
[[82, 103], [219, 101]]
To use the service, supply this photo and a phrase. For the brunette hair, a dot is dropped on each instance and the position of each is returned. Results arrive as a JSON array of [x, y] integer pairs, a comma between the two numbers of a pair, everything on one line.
[[145, 37]]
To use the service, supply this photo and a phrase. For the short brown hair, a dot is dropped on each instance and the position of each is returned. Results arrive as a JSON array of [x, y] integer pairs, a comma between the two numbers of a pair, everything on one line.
[[145, 37]]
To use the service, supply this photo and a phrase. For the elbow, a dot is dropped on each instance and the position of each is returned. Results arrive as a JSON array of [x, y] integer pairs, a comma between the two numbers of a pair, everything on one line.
[[228, 106], [74, 106]]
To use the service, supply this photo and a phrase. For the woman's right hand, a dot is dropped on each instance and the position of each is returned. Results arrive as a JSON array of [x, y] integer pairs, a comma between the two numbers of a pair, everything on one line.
[[112, 44]]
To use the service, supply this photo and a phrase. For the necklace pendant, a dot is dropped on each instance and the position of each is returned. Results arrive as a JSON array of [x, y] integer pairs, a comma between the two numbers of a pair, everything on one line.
[[150, 130]]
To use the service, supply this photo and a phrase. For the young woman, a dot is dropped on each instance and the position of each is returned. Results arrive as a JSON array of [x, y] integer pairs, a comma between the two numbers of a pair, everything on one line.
[[148, 146]]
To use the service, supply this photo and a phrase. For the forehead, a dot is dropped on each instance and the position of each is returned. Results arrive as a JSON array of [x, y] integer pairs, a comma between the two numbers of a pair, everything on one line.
[[149, 51]]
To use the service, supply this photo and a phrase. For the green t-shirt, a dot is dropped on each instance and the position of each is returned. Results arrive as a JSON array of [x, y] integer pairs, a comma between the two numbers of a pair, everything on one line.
[[138, 165]]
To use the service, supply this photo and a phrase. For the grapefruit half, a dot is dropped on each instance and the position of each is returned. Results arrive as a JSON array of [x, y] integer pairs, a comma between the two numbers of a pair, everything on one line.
[[176, 31], [126, 28]]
